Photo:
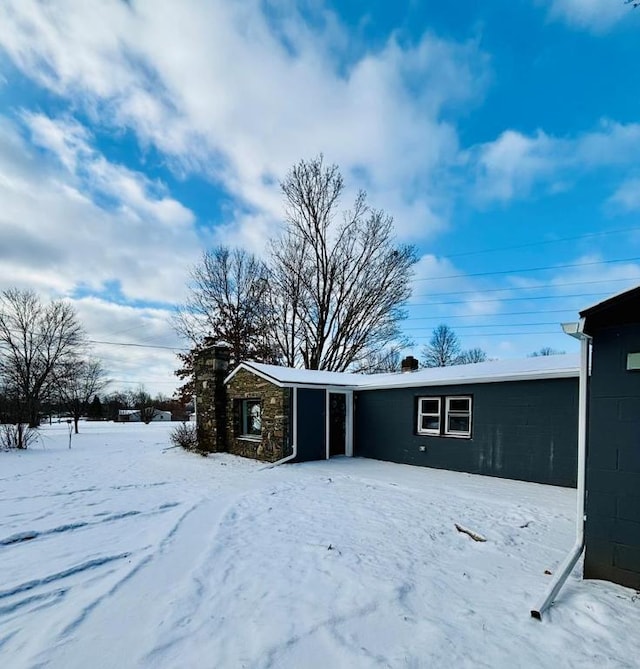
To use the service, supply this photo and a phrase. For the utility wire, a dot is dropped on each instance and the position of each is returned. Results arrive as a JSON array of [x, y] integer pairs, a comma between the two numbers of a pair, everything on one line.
[[509, 299], [496, 325], [120, 343], [504, 313], [543, 241], [528, 269], [538, 287]]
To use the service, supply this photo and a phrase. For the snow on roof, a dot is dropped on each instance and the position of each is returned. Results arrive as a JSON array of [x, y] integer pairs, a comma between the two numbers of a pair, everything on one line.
[[542, 367], [290, 376]]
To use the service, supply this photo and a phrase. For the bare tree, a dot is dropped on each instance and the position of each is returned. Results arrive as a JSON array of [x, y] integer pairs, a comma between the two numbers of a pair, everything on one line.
[[144, 404], [387, 360], [77, 381], [228, 301], [545, 351], [34, 339], [337, 287], [472, 355], [444, 349]]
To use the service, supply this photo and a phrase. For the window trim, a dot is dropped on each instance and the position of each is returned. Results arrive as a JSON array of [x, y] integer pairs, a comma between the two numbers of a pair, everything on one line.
[[422, 414], [444, 413], [458, 434]]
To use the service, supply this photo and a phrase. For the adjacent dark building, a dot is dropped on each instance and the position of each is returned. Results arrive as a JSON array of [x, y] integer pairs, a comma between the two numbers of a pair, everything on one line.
[[612, 528]]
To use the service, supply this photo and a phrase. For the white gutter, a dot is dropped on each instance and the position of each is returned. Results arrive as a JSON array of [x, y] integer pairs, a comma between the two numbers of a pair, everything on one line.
[[294, 454], [574, 330]]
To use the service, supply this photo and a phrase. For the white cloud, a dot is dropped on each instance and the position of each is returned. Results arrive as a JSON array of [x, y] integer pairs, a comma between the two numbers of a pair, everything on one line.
[[597, 16], [627, 196], [513, 164], [225, 89], [55, 236], [130, 365]]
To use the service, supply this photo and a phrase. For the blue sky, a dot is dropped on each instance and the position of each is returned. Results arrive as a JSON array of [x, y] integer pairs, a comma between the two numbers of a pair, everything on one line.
[[503, 137]]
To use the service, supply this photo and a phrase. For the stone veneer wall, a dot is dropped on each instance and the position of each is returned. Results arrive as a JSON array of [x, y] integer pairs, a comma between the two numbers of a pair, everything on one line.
[[274, 441], [211, 366]]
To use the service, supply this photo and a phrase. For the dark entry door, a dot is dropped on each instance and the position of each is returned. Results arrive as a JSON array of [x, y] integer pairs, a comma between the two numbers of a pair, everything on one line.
[[337, 423]]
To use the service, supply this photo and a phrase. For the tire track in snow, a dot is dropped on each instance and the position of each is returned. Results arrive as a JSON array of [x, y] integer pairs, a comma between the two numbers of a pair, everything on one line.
[[58, 576], [29, 535], [103, 604], [147, 559]]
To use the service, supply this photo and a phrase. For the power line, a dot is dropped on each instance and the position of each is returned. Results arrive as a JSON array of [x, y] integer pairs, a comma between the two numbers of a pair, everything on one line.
[[538, 287], [510, 299], [108, 343], [119, 343], [512, 334], [498, 325], [528, 269], [544, 241], [505, 313]]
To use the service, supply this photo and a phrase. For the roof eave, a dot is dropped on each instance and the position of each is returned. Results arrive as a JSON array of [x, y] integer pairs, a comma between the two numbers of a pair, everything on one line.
[[534, 376]]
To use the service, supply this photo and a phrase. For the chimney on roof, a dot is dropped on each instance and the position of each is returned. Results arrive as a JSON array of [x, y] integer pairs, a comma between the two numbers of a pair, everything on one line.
[[409, 364]]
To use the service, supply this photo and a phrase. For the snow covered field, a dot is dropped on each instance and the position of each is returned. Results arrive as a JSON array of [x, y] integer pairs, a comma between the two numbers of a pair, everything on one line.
[[120, 553]]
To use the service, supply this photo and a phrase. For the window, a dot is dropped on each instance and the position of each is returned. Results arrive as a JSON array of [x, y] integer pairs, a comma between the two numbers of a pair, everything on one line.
[[251, 417], [454, 421], [429, 415], [458, 422]]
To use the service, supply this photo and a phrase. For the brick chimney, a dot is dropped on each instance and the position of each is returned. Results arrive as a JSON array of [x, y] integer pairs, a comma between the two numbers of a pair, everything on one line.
[[211, 366], [409, 364]]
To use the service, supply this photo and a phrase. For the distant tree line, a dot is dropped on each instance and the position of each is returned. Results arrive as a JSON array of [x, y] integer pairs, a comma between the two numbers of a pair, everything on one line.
[[107, 407]]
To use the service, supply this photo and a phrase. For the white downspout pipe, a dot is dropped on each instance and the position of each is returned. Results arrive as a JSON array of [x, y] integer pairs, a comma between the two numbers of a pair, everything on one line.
[[567, 566], [294, 453]]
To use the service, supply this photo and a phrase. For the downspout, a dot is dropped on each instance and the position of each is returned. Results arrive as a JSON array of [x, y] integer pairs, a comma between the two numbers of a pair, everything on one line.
[[567, 566], [294, 453]]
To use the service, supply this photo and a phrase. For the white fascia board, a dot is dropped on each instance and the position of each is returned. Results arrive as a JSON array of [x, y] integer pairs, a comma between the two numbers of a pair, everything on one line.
[[285, 384], [249, 368], [534, 376], [321, 386]]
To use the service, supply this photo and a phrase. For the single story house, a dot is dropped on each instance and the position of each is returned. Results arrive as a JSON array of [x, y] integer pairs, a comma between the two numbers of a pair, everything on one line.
[[509, 418]]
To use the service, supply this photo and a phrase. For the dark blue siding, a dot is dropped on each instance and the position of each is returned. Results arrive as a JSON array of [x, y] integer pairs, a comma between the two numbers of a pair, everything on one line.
[[613, 465], [524, 430], [312, 423]]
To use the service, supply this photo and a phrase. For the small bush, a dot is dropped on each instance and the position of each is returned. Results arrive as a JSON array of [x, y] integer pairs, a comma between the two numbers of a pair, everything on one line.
[[17, 436], [185, 436]]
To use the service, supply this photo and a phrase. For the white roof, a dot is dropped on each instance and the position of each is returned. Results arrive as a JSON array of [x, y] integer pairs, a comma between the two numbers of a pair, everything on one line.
[[289, 376], [522, 369], [542, 367]]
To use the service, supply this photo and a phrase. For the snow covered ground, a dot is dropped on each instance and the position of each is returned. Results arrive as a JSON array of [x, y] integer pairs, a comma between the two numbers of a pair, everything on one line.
[[121, 553]]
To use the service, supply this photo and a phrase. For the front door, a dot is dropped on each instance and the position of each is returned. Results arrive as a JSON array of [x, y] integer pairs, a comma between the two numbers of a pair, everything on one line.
[[337, 423]]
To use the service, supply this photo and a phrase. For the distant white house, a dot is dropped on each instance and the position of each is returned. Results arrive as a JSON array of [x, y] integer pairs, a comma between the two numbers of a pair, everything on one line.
[[133, 416]]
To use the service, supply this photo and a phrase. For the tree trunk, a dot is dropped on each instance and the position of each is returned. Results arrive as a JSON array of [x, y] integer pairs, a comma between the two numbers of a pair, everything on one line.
[[34, 418]]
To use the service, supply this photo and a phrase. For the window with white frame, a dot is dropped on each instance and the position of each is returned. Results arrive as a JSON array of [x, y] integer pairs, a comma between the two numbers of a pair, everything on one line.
[[429, 415], [445, 416]]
